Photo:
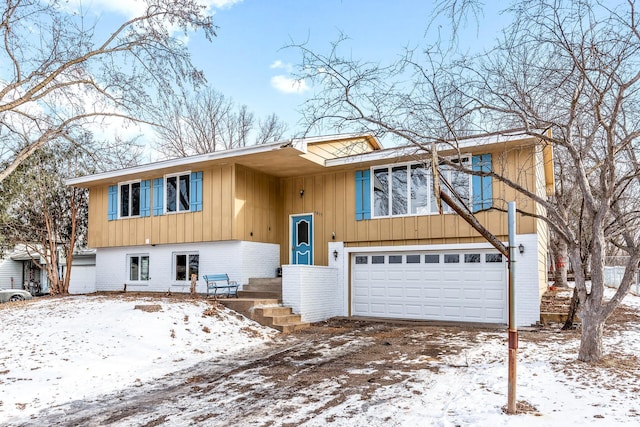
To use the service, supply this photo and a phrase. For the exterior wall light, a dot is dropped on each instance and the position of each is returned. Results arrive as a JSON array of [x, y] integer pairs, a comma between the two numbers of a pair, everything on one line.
[[521, 248], [301, 193], [335, 254]]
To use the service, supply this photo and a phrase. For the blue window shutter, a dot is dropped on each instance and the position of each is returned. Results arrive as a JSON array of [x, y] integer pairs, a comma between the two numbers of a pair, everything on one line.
[[112, 208], [487, 187], [145, 198], [196, 191], [366, 193], [158, 196], [363, 195], [481, 185]]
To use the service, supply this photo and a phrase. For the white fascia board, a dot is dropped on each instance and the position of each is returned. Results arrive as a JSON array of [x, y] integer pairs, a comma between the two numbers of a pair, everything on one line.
[[388, 154], [183, 161], [409, 150], [302, 142]]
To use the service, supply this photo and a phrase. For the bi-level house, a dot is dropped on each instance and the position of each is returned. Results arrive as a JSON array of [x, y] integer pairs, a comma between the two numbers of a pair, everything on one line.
[[354, 227]]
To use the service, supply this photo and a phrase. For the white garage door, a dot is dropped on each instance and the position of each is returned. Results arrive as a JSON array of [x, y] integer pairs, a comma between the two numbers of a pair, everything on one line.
[[460, 286], [83, 279]]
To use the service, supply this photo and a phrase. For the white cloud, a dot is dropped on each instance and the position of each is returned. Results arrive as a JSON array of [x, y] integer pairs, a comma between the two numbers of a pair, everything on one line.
[[279, 65], [287, 84], [132, 8], [221, 4]]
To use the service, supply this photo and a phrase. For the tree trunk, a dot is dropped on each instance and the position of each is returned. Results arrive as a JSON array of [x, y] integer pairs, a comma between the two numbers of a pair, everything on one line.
[[591, 337], [573, 308], [561, 261]]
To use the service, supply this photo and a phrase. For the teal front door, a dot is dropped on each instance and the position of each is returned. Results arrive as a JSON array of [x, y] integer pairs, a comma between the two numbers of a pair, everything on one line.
[[302, 239]]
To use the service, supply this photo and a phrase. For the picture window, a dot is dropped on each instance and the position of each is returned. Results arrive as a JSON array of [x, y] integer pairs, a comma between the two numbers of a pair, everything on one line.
[[408, 189]]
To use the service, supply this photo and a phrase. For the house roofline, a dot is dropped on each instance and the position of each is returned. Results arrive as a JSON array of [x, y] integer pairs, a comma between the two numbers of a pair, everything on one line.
[[303, 142], [409, 150], [149, 167], [299, 144]]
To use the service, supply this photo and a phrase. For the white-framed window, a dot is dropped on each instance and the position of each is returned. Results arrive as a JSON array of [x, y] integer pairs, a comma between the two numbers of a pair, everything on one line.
[[407, 189], [177, 189], [129, 199], [138, 267], [185, 264]]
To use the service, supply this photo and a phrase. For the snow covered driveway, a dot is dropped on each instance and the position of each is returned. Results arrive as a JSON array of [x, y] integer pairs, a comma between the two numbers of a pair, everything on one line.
[[342, 373]]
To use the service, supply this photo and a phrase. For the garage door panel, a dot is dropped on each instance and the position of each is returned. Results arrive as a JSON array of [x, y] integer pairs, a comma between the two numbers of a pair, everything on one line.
[[473, 295], [494, 295], [433, 293], [397, 309], [463, 291], [361, 307], [395, 292], [413, 292], [378, 291], [360, 275], [360, 291], [497, 314], [413, 275], [452, 311], [451, 293], [378, 275], [450, 276], [413, 310], [395, 275], [432, 311], [378, 308]]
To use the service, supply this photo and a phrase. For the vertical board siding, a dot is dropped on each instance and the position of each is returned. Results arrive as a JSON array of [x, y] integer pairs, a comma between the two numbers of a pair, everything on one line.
[[257, 206], [213, 223], [331, 197], [238, 201]]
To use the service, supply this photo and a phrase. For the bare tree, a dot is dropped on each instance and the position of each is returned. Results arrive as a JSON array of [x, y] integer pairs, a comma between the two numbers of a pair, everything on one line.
[[561, 66], [62, 73], [44, 215], [41, 213], [207, 121], [271, 129]]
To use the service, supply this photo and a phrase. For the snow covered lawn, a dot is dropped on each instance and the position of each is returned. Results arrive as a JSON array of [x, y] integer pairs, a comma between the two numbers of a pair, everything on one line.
[[96, 361], [55, 350]]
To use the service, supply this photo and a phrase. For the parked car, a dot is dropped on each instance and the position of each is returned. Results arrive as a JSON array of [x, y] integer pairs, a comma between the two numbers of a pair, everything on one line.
[[14, 295]]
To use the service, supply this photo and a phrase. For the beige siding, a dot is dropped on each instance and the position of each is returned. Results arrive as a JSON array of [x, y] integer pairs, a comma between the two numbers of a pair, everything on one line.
[[214, 222], [240, 203], [331, 198], [543, 188], [341, 148], [257, 206]]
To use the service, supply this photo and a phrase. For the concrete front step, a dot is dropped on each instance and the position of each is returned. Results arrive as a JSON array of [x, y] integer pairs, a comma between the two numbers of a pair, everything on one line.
[[290, 328], [259, 294], [267, 312], [262, 288], [269, 281]]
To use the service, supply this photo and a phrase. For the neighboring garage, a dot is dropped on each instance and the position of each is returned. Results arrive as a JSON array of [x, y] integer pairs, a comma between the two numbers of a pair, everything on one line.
[[83, 273], [457, 285]]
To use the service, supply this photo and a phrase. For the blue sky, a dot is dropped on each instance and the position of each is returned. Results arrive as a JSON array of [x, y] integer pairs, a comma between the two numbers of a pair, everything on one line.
[[247, 63]]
